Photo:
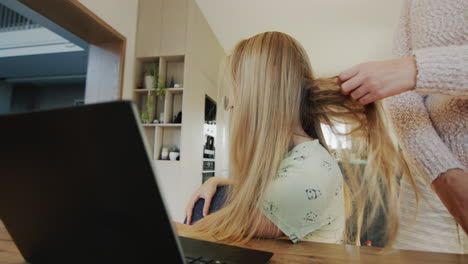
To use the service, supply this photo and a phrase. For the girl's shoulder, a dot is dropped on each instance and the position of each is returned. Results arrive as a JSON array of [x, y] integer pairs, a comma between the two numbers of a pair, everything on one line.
[[310, 162], [307, 195], [306, 149], [308, 156]]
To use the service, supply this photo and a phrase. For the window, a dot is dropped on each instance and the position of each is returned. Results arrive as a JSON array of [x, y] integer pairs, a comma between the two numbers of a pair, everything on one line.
[[336, 141]]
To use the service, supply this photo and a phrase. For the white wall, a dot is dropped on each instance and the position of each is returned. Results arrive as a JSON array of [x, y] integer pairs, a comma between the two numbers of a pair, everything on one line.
[[177, 27], [122, 16], [203, 54], [336, 33]]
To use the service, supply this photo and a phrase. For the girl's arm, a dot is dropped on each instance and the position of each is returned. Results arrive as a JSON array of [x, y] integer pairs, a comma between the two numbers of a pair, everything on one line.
[[206, 191]]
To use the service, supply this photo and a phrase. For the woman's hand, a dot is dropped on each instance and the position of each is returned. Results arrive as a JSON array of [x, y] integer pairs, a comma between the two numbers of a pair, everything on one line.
[[372, 81], [206, 191], [452, 189]]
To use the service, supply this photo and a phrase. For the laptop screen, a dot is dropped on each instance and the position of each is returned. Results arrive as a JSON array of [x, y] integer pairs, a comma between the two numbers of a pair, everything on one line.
[[77, 184]]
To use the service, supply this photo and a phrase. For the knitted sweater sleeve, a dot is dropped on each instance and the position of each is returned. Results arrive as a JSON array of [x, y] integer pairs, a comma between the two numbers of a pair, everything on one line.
[[421, 145], [442, 70]]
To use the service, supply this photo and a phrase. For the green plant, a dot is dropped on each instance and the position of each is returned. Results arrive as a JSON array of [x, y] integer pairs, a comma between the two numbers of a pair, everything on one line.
[[160, 90], [153, 71], [150, 104], [148, 72], [147, 115], [173, 148]]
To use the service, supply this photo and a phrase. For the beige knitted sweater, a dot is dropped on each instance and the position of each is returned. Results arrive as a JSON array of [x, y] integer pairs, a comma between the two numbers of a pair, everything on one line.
[[432, 120]]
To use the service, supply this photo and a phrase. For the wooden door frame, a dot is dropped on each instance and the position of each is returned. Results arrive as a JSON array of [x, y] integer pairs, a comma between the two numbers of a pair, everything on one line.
[[107, 46]]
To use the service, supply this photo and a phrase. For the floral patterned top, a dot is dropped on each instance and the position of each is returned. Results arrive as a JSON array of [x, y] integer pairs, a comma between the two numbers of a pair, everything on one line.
[[306, 200]]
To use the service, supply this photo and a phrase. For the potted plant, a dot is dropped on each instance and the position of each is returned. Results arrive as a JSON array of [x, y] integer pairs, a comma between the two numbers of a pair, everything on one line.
[[174, 152], [150, 106], [160, 89], [152, 78], [147, 116], [149, 78]]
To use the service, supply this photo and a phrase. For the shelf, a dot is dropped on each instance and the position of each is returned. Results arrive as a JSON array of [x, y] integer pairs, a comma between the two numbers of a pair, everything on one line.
[[166, 107], [169, 90], [175, 90], [162, 125], [174, 58], [171, 58], [143, 90], [167, 169], [148, 59], [169, 125], [210, 171], [208, 159]]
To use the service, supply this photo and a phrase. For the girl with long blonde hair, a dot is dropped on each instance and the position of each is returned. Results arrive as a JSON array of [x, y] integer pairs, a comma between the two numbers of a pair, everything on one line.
[[283, 180]]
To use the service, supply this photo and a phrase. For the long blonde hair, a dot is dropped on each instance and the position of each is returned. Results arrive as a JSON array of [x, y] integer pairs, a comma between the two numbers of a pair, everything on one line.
[[273, 91]]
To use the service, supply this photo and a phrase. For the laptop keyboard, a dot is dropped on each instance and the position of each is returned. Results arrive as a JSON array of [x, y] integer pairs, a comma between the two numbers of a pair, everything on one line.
[[203, 260]]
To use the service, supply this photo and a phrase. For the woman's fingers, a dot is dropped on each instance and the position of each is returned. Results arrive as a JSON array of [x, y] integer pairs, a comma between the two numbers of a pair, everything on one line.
[[359, 92], [206, 191], [351, 84], [188, 216], [208, 195], [349, 73], [367, 99], [206, 206], [189, 208], [381, 79]]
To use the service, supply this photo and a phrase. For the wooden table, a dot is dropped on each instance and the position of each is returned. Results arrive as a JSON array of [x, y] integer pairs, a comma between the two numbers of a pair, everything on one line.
[[311, 252], [286, 252], [9, 254]]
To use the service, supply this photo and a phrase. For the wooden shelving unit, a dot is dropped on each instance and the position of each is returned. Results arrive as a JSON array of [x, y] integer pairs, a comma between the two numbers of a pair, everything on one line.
[[162, 125], [162, 131], [175, 34], [175, 90]]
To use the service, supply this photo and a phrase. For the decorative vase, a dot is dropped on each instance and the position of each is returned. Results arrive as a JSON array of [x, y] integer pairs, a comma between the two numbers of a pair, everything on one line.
[[164, 153], [161, 118], [171, 85], [149, 82], [173, 155]]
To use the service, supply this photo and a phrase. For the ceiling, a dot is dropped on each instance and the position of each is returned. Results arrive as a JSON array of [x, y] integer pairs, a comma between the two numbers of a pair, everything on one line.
[[335, 33], [50, 68]]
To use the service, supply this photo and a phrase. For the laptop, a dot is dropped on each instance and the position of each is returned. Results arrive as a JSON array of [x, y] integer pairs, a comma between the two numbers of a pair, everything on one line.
[[77, 186]]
